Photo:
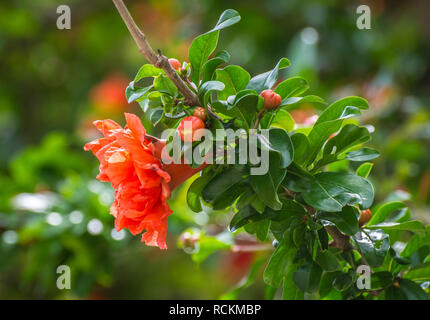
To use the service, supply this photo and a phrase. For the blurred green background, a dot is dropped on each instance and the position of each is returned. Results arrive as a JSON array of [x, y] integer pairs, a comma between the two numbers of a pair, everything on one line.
[[54, 83]]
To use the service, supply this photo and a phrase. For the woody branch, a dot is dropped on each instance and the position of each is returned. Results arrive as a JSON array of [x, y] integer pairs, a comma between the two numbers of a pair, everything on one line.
[[157, 60]]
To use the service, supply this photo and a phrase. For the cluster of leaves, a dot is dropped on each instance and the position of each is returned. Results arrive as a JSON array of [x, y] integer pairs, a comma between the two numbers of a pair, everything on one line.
[[310, 188]]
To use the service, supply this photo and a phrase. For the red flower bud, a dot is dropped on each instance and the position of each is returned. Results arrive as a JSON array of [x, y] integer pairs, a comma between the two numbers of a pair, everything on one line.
[[175, 64], [188, 127], [365, 216], [200, 112], [272, 100]]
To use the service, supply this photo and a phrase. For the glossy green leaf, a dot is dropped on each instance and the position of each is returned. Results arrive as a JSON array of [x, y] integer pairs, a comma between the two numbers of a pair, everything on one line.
[[246, 215], [301, 147], [206, 88], [259, 228], [220, 185], [364, 154], [331, 191], [319, 135], [202, 46], [266, 186], [419, 273], [268, 79], [195, 190], [349, 136], [235, 79], [280, 259], [245, 108], [279, 142], [133, 93], [200, 50], [416, 242], [384, 211], [210, 66], [163, 84], [283, 120], [292, 87], [337, 109], [346, 220], [413, 226], [374, 245], [147, 70]]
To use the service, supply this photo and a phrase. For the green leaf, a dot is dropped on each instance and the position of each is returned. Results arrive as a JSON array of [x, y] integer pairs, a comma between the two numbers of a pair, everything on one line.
[[381, 280], [147, 70], [326, 283], [296, 102], [290, 291], [133, 93], [280, 259], [163, 84], [195, 190], [268, 79], [307, 277], [384, 211], [301, 147], [279, 142], [235, 79], [259, 228], [419, 273], [319, 135], [331, 191], [230, 195], [206, 88], [245, 107], [349, 136], [364, 170], [228, 18], [202, 46], [374, 245], [407, 290], [266, 186], [210, 66], [327, 261], [416, 242], [223, 183], [200, 50], [292, 87], [413, 226], [346, 221], [337, 109], [283, 120], [342, 281], [246, 215], [364, 154]]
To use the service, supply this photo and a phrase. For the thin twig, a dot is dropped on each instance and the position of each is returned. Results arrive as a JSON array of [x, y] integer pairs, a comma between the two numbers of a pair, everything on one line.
[[259, 117], [213, 114], [159, 60]]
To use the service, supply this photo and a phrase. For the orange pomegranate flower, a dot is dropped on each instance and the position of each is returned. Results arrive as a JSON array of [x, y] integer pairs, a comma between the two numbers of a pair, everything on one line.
[[141, 185]]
